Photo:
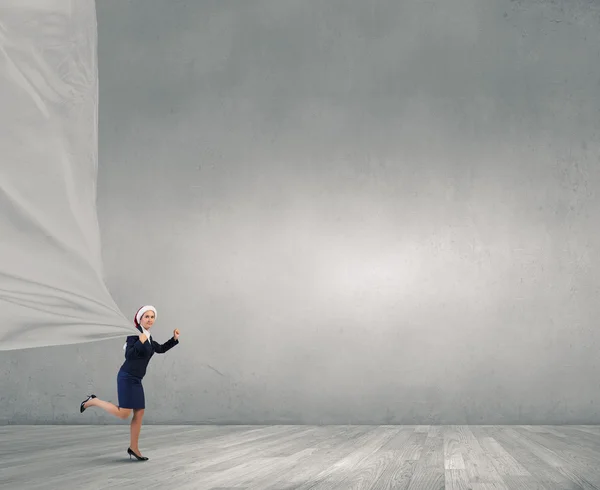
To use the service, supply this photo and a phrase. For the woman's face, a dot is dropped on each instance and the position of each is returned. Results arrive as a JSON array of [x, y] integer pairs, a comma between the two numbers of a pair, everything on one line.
[[147, 320]]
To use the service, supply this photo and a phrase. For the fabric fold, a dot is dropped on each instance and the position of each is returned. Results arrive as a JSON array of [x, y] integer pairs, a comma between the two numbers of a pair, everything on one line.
[[52, 289]]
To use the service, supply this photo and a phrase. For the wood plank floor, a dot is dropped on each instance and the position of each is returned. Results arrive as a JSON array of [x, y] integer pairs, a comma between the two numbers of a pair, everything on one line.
[[302, 457]]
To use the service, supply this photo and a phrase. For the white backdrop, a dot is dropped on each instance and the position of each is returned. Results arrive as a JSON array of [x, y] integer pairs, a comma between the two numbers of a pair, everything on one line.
[[52, 290]]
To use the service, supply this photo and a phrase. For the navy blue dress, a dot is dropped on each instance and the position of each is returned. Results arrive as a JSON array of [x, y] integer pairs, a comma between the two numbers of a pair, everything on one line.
[[137, 357]]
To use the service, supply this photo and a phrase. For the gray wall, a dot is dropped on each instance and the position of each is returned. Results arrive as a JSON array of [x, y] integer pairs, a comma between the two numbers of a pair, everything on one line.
[[367, 212]]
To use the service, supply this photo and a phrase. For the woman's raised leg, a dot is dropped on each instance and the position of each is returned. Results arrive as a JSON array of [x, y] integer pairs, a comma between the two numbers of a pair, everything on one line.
[[111, 408]]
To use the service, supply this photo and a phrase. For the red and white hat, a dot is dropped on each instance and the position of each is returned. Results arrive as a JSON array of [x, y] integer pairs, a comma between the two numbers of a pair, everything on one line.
[[140, 313]]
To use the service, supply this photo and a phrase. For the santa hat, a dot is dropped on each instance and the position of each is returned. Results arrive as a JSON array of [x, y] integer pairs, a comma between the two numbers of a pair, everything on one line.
[[140, 313]]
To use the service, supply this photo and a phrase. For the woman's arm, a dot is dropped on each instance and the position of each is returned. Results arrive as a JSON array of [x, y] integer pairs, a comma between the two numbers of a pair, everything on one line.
[[162, 348], [137, 346]]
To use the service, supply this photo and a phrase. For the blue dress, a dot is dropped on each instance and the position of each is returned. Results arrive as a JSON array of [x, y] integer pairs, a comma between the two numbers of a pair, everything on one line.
[[130, 390], [129, 378]]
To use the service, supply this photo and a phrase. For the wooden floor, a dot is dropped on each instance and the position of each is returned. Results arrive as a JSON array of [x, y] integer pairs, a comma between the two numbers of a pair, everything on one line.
[[302, 457]]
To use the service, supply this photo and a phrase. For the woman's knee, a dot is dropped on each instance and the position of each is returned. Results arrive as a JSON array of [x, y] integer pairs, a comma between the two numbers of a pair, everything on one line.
[[124, 413], [138, 413]]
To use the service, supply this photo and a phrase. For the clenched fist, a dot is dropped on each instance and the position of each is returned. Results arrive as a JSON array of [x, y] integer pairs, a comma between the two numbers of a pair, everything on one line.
[[176, 334]]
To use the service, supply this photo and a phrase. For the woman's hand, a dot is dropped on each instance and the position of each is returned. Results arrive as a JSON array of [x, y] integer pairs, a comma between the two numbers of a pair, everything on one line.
[[143, 338], [176, 334]]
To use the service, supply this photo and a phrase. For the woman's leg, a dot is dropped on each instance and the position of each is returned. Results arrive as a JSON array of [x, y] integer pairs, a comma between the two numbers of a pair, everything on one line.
[[136, 427], [111, 408]]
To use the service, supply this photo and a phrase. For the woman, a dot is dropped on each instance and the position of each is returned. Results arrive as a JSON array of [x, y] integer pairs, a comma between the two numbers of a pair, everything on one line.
[[139, 349]]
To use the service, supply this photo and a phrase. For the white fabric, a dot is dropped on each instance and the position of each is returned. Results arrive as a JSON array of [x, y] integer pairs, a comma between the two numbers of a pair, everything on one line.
[[52, 290], [146, 333]]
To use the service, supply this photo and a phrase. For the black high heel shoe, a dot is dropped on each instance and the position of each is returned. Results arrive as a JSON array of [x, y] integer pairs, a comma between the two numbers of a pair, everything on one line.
[[81, 409], [132, 453]]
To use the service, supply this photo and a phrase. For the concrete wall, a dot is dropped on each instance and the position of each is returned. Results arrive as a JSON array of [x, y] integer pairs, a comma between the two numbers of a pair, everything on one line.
[[355, 212]]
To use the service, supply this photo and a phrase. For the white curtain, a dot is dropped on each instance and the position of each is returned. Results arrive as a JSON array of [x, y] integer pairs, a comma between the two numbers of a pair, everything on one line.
[[52, 290]]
